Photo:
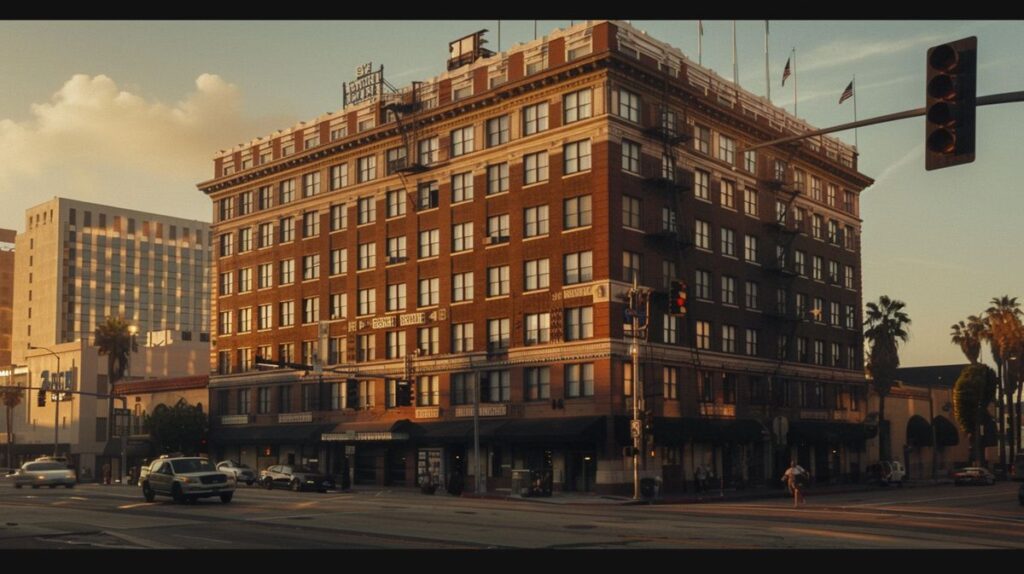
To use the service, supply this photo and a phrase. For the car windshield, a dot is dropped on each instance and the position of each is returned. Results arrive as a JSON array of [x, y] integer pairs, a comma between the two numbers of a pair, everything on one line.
[[191, 465], [45, 466]]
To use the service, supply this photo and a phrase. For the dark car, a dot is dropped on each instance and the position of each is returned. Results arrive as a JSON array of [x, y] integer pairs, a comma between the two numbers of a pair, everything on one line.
[[973, 475], [296, 477], [1020, 495]]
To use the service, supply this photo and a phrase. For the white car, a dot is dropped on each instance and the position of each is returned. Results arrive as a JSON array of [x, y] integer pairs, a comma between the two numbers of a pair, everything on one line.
[[44, 473], [186, 479], [241, 472]]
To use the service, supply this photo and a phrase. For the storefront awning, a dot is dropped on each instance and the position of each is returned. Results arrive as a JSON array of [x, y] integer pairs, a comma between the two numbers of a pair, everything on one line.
[[455, 431], [276, 434], [945, 433], [135, 448], [830, 432], [919, 432], [375, 431], [553, 429], [676, 431]]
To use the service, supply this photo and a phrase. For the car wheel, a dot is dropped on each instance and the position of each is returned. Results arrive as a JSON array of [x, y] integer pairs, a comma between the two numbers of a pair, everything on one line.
[[176, 494], [250, 482], [226, 497], [268, 483], [296, 485], [147, 492]]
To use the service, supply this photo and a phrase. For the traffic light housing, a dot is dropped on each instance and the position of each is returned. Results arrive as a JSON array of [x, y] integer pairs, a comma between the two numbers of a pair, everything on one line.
[[648, 417], [677, 298], [41, 401], [403, 393], [950, 97], [352, 393]]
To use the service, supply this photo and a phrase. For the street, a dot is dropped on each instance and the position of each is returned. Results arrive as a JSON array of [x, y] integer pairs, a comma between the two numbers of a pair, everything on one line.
[[113, 517]]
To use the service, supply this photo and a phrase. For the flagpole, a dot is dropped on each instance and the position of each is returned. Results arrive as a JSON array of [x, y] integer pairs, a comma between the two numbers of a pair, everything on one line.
[[855, 110], [735, 64], [499, 35], [534, 29], [794, 81], [767, 78], [700, 43]]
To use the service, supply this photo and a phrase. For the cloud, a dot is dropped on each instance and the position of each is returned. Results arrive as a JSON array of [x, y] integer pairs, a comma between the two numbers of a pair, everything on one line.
[[96, 141], [842, 52], [915, 153]]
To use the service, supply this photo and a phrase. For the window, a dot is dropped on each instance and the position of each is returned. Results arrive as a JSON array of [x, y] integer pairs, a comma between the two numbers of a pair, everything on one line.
[[728, 242], [703, 335], [831, 197], [576, 212], [265, 235], [339, 176], [833, 271], [668, 273], [339, 261], [535, 167], [462, 287], [286, 191], [627, 379], [287, 230], [800, 262], [427, 196], [396, 249], [752, 336], [497, 178], [537, 329], [579, 267], [701, 185], [265, 275], [367, 256], [428, 151], [836, 355], [367, 168], [815, 189], [851, 317], [287, 272], [430, 243], [702, 284], [244, 239], [462, 141], [701, 139], [310, 224], [462, 388], [462, 187], [848, 276], [498, 228], [668, 167], [728, 290], [750, 161], [497, 131], [266, 197], [819, 352], [311, 184], [498, 333], [702, 234], [728, 194], [833, 314], [227, 283], [834, 236], [462, 337], [750, 201], [579, 380], [339, 217], [631, 267], [576, 157], [670, 382], [538, 383], [535, 221], [311, 310], [430, 292], [668, 220], [396, 203], [728, 339], [286, 313], [243, 400], [428, 390], [729, 388], [245, 320], [227, 244], [224, 324], [395, 159], [849, 239], [535, 275], [535, 118], [630, 212], [396, 297], [816, 267], [670, 329], [495, 387], [366, 348], [339, 307], [751, 292], [245, 280], [579, 323], [497, 281], [245, 203], [726, 149], [427, 340], [310, 266], [629, 105], [263, 400], [705, 386], [750, 248], [367, 301], [630, 157], [576, 106], [462, 237]]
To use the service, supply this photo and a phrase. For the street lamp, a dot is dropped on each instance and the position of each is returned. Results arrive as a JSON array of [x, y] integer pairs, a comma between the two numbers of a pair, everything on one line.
[[56, 397], [935, 443], [132, 330]]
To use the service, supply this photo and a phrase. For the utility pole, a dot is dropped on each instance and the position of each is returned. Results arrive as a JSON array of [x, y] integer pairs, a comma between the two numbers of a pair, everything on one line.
[[935, 444], [634, 301]]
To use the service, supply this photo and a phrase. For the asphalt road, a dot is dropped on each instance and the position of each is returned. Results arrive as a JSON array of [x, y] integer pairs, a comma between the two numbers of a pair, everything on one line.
[[113, 517]]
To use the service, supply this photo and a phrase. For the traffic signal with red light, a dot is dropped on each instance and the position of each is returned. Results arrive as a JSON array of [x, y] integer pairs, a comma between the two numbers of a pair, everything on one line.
[[677, 298], [41, 401], [950, 98]]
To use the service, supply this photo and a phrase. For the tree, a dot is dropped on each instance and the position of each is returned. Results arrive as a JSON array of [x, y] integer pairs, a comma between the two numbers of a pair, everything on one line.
[[181, 428], [11, 398], [885, 327], [1006, 337], [973, 391], [114, 340], [969, 336]]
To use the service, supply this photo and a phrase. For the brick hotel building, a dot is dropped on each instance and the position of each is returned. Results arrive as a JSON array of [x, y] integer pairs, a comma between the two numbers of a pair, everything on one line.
[[487, 224]]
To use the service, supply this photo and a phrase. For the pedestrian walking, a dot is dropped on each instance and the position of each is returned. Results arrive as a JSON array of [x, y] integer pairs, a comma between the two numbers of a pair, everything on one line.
[[702, 478], [106, 473], [795, 478]]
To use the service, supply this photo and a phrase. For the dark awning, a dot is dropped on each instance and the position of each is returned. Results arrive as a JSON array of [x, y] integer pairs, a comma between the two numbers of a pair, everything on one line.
[[830, 432], [945, 432], [370, 431], [675, 431], [919, 432], [455, 431], [275, 434], [552, 429], [135, 448]]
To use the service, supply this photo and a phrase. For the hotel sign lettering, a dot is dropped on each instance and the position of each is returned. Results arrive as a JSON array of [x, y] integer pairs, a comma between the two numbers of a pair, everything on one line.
[[366, 86]]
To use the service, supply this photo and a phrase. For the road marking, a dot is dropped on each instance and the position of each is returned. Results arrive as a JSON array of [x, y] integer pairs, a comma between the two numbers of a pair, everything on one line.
[[835, 534], [79, 498], [201, 538], [138, 541], [136, 505]]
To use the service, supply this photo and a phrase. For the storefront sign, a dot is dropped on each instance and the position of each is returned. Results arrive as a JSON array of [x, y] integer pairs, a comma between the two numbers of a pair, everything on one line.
[[234, 419], [428, 413], [485, 410], [366, 85], [814, 415], [713, 410], [348, 436], [383, 322], [306, 417]]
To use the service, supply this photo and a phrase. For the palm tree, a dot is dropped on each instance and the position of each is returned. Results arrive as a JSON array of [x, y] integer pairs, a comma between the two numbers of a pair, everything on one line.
[[885, 327], [974, 389], [968, 336], [115, 341], [11, 399], [1006, 338]]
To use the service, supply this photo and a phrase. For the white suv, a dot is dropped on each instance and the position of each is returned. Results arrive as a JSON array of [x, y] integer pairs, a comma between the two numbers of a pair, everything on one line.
[[186, 479]]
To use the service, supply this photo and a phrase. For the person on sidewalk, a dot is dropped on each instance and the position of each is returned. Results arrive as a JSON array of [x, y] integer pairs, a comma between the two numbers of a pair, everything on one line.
[[795, 478]]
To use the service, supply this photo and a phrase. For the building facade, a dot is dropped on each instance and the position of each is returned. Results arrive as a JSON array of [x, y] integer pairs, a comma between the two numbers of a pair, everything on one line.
[[483, 229], [82, 262], [6, 294]]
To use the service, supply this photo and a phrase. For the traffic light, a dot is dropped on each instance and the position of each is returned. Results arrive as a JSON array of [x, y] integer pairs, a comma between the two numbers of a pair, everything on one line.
[[950, 103], [403, 393], [677, 298], [352, 393], [648, 421], [41, 401]]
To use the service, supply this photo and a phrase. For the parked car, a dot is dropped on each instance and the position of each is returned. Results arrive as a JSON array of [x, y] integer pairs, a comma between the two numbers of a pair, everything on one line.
[[186, 479], [973, 475], [886, 472], [296, 477], [1020, 495], [1017, 470], [241, 472], [44, 473]]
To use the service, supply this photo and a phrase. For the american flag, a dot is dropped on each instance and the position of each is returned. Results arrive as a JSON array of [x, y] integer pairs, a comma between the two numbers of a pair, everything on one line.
[[847, 93], [785, 72]]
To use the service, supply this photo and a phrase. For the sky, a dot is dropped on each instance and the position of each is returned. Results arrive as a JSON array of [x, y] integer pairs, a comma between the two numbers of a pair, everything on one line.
[[130, 113]]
